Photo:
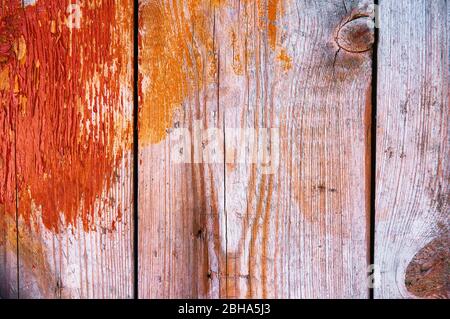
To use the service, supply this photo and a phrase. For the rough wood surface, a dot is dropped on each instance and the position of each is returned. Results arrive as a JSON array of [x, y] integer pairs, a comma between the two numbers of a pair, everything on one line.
[[255, 155], [412, 191], [227, 228], [68, 79], [294, 230], [180, 198], [8, 116]]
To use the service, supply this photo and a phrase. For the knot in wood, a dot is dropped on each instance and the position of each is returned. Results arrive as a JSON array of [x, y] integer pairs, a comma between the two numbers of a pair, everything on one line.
[[356, 35], [427, 275]]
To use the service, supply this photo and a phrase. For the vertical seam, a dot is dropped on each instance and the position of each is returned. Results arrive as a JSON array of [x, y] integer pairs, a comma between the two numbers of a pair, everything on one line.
[[135, 149], [16, 186], [373, 143]]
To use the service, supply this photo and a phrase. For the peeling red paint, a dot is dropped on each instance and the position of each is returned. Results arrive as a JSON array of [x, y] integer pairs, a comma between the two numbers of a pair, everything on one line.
[[9, 31], [63, 89]]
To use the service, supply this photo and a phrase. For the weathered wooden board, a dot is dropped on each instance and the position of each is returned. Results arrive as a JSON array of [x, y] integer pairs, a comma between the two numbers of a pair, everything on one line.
[[254, 149], [413, 170], [297, 221], [8, 116], [180, 198], [292, 221], [71, 76]]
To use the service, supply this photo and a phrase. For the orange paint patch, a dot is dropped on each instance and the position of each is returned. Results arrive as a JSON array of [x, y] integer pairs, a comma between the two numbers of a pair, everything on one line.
[[178, 56], [285, 59], [237, 63], [4, 79], [63, 90], [272, 11], [173, 37]]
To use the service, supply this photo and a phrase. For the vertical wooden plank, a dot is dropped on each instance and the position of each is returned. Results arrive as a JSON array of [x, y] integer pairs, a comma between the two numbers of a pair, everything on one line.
[[238, 227], [8, 214], [73, 94], [412, 192], [180, 191], [297, 218]]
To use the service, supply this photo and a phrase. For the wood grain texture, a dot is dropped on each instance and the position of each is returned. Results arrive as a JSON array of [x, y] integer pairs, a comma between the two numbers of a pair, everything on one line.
[[300, 229], [226, 228], [180, 198], [70, 84], [254, 149], [412, 191]]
